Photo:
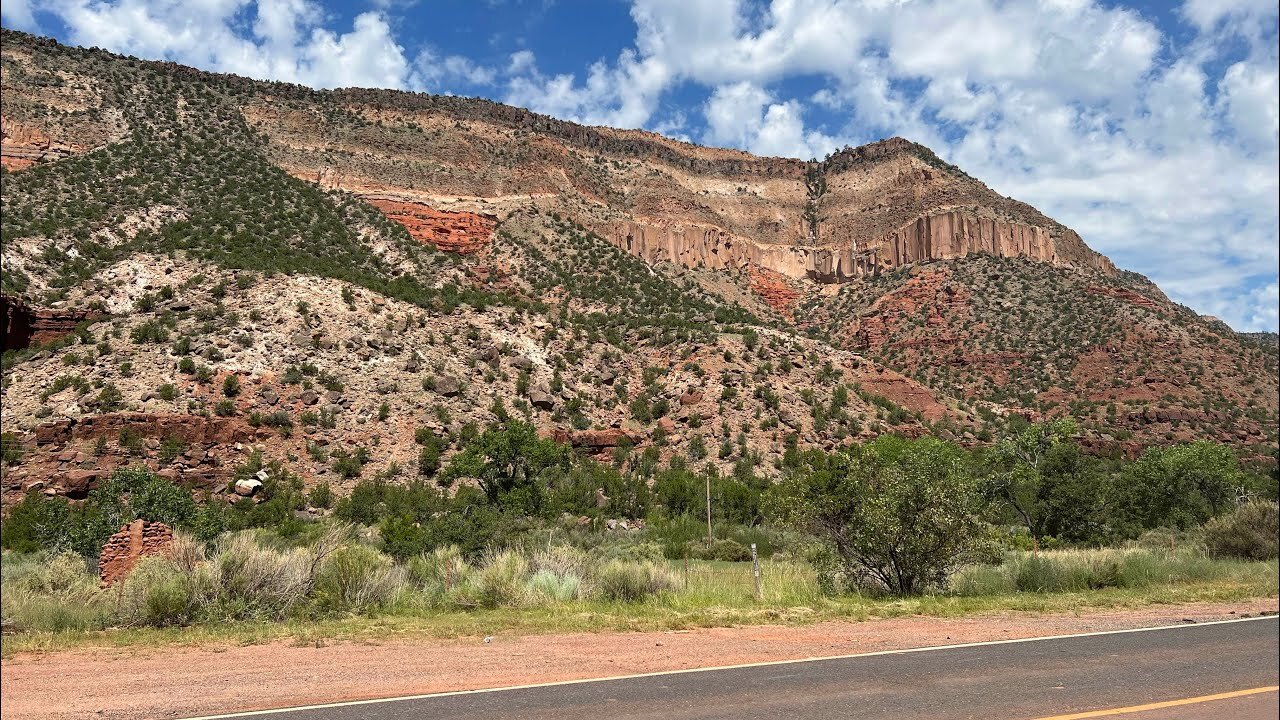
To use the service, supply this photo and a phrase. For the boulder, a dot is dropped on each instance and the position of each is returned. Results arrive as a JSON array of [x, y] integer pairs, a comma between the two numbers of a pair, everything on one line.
[[521, 363], [76, 484], [541, 399], [446, 386], [248, 487]]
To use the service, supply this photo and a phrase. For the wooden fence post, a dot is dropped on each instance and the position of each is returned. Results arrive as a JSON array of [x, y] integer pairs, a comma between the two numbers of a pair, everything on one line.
[[755, 569]]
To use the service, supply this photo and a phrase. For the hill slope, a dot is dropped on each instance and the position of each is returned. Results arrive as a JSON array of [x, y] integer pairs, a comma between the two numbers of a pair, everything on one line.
[[255, 263]]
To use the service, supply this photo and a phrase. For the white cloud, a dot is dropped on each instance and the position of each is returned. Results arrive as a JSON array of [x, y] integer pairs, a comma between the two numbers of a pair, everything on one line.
[[624, 95], [744, 115], [441, 74], [287, 39], [18, 14]]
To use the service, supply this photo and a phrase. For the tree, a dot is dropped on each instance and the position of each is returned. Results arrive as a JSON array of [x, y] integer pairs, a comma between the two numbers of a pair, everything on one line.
[[1020, 462], [508, 462], [1179, 486], [897, 515]]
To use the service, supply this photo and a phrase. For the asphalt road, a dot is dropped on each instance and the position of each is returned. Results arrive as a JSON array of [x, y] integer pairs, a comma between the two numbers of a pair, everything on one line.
[[1010, 680]]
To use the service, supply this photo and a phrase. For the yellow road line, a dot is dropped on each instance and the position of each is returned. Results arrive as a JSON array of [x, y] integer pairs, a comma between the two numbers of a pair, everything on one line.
[[1165, 704]]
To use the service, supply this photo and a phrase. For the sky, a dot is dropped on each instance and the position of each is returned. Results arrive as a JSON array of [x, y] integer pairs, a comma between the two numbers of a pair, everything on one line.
[[1152, 128]]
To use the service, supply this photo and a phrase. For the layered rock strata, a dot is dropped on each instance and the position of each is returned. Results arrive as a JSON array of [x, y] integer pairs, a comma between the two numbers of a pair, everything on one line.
[[25, 326], [22, 146], [460, 232]]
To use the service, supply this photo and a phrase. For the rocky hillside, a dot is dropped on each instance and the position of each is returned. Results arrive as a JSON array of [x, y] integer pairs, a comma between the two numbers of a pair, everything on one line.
[[198, 265]]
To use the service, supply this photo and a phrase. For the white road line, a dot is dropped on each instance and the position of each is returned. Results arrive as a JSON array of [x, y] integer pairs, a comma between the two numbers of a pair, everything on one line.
[[767, 663]]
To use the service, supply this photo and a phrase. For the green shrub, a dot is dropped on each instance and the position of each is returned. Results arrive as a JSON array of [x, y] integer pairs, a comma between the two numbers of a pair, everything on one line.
[[357, 579], [1249, 532], [321, 496], [156, 593], [630, 582], [10, 448], [498, 582], [438, 573]]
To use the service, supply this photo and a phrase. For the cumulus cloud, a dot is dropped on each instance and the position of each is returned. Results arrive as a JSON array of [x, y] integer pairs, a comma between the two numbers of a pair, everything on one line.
[[18, 14], [744, 115], [284, 40]]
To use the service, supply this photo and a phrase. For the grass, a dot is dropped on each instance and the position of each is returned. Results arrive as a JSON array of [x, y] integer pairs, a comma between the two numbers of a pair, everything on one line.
[[718, 594]]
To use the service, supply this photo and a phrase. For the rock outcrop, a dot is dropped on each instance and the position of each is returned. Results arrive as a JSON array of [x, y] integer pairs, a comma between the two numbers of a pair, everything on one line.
[[23, 145], [190, 429], [460, 232], [773, 288], [122, 551], [940, 236], [1131, 296], [25, 326], [593, 441]]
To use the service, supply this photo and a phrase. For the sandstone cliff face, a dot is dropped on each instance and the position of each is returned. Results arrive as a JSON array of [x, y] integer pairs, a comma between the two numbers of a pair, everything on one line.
[[23, 145], [943, 236], [460, 232], [953, 234]]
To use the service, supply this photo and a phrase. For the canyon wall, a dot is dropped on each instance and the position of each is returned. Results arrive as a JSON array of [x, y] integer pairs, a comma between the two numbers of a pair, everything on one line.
[[941, 236]]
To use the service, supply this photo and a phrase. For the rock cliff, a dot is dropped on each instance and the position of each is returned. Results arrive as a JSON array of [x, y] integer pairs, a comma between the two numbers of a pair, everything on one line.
[[460, 232], [25, 325], [23, 145]]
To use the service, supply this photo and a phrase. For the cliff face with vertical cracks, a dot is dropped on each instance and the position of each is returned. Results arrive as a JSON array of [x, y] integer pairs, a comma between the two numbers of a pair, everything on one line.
[[460, 232], [951, 235]]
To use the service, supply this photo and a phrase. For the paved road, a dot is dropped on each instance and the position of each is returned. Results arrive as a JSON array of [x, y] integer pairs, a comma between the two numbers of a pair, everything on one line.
[[1011, 680]]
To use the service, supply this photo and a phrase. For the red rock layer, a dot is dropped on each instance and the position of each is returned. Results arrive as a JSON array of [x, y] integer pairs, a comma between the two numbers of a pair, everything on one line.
[[135, 541], [25, 326], [22, 146], [1124, 294], [929, 293], [191, 429], [460, 232], [774, 289]]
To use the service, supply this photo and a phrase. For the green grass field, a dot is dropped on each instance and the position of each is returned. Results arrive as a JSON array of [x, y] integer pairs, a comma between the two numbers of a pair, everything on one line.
[[707, 594]]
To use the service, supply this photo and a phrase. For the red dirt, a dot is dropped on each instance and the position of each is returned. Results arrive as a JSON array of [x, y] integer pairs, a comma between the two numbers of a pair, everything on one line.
[[177, 681]]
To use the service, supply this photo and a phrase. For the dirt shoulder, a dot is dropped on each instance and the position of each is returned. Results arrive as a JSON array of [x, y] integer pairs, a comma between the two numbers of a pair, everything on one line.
[[177, 682]]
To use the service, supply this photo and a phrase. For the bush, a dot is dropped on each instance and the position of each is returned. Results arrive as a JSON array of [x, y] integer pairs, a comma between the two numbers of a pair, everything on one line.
[[358, 579], [321, 496], [156, 593], [629, 582], [723, 549], [558, 574], [1249, 532], [499, 582], [257, 583], [898, 515], [438, 573]]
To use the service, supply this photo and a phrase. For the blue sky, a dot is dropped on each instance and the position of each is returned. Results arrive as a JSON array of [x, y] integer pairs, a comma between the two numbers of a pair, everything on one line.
[[1153, 128]]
